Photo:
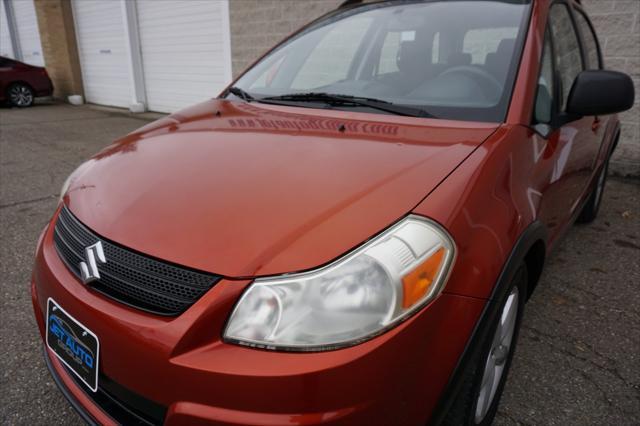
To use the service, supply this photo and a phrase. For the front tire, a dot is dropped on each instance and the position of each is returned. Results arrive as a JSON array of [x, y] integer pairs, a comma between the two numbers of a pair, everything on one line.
[[477, 402], [20, 95]]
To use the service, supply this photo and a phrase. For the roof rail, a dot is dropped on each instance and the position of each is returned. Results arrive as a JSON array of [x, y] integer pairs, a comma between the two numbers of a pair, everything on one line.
[[347, 3]]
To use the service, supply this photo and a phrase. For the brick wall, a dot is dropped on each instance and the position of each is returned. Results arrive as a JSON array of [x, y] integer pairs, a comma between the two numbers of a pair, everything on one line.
[[57, 34], [617, 23], [256, 25]]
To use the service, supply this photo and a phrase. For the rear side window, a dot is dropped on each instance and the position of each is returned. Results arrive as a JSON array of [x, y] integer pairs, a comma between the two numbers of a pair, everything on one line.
[[435, 49], [567, 50], [590, 42], [482, 42], [391, 49]]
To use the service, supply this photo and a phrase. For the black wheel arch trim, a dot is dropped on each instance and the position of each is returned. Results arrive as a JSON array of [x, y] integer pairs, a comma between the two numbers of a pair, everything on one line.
[[535, 232], [616, 138]]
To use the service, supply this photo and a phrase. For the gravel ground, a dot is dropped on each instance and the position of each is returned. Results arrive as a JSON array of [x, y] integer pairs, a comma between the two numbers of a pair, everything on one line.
[[577, 361]]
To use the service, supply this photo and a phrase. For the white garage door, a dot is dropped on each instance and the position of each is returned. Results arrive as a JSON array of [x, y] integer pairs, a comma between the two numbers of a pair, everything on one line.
[[6, 48], [101, 37], [185, 49], [28, 33]]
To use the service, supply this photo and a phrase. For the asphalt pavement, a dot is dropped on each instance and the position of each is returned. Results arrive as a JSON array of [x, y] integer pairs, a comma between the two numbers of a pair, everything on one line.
[[577, 361]]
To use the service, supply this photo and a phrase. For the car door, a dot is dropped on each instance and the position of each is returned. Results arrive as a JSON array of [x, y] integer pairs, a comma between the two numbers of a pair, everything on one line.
[[573, 146]]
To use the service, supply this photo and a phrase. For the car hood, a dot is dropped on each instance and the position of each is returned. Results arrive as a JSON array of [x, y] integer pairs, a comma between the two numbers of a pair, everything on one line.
[[244, 190]]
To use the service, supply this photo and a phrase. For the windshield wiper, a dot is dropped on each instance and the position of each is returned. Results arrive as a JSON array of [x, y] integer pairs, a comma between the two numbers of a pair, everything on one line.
[[345, 100], [241, 93]]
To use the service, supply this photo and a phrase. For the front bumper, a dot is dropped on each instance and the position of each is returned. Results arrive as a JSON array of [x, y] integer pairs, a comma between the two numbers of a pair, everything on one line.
[[43, 87], [182, 365], [102, 407]]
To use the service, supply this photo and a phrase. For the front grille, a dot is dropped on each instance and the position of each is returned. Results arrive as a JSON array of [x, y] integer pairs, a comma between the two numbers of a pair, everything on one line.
[[129, 277]]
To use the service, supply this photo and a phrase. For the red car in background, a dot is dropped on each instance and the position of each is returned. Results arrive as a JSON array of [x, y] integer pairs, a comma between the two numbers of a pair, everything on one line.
[[347, 235], [21, 83]]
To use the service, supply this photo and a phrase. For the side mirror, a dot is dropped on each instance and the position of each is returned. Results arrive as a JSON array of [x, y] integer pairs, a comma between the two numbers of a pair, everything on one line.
[[600, 93]]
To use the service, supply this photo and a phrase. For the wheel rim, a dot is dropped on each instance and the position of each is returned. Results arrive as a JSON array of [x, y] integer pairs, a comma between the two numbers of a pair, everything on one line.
[[498, 354], [21, 95]]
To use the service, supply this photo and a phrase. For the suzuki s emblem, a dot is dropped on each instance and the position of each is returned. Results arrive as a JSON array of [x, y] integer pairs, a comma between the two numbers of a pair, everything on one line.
[[89, 268]]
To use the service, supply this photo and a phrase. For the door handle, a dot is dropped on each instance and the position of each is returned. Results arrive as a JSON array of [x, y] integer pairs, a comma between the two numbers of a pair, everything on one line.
[[596, 124]]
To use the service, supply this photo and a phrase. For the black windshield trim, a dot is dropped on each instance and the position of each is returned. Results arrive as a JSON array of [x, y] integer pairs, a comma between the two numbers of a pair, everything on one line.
[[344, 100]]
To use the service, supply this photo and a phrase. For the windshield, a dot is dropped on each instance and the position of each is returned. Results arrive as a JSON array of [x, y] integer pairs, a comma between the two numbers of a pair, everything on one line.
[[453, 59]]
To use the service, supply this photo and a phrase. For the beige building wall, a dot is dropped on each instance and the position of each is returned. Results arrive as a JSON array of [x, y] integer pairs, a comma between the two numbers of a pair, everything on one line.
[[617, 23], [257, 25]]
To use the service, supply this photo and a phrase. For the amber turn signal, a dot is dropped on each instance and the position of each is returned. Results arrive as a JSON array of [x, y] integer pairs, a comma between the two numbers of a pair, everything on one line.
[[418, 282]]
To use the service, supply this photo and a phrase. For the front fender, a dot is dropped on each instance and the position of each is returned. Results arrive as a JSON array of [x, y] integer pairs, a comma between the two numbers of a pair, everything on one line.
[[486, 204]]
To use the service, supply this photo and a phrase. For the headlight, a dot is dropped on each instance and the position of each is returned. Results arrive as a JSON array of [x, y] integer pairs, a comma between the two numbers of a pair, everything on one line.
[[351, 300], [65, 187]]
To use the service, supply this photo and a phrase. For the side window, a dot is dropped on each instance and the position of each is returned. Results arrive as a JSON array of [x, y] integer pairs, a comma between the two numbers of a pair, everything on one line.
[[435, 49], [481, 42], [388, 53], [391, 49], [567, 50], [590, 42], [267, 77], [544, 97]]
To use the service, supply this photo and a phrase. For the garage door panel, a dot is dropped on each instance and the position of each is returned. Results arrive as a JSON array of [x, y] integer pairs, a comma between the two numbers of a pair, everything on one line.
[[171, 6], [200, 44], [200, 90], [107, 77], [175, 8], [6, 48], [191, 75], [106, 27], [100, 32], [185, 51], [195, 36], [180, 97], [205, 64], [28, 33], [176, 21], [198, 85]]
